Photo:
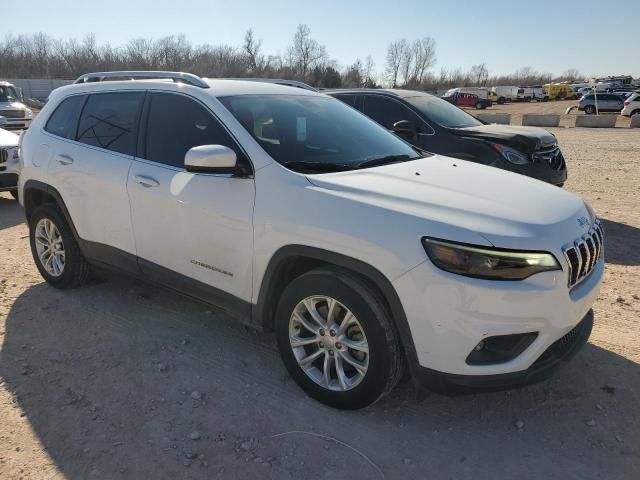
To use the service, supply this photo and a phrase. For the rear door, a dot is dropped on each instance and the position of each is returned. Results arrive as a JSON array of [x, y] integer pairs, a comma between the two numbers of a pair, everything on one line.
[[92, 151], [194, 224]]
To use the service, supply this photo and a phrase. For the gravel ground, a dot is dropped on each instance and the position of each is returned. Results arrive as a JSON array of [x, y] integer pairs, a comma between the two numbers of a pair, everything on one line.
[[121, 380]]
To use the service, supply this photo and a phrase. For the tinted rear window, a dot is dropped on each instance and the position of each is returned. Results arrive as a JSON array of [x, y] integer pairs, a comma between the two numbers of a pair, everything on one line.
[[64, 119], [109, 120]]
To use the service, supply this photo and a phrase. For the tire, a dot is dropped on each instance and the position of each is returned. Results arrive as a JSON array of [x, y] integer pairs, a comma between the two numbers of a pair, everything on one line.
[[501, 101], [14, 194], [383, 362], [589, 109], [478, 106], [75, 270]]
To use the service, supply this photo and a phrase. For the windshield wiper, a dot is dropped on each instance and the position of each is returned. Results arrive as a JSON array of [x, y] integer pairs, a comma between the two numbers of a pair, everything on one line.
[[374, 162], [319, 166]]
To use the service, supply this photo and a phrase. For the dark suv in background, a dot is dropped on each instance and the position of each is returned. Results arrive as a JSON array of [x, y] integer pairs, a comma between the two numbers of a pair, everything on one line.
[[437, 126]]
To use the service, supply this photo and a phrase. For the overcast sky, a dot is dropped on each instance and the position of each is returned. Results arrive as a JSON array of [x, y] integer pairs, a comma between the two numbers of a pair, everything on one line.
[[550, 36]]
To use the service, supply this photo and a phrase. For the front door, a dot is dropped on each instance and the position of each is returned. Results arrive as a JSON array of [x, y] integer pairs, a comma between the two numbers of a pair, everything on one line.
[[193, 224]]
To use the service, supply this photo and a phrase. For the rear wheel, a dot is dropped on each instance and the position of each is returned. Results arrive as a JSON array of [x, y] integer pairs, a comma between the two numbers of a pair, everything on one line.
[[589, 109], [337, 340], [501, 101], [478, 106], [55, 250]]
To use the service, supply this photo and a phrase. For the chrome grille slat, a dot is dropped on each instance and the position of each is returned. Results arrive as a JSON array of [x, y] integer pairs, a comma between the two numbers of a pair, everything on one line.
[[12, 113], [551, 156], [583, 254]]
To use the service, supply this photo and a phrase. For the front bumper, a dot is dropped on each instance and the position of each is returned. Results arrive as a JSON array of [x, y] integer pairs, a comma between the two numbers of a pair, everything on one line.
[[557, 355], [448, 315]]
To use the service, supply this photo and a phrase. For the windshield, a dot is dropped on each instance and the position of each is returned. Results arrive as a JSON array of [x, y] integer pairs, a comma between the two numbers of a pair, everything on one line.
[[443, 113], [316, 133], [8, 94]]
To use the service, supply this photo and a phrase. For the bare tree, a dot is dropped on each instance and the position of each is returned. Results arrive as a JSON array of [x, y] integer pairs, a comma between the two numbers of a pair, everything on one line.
[[424, 55], [305, 52], [252, 47], [479, 75], [394, 60], [369, 72]]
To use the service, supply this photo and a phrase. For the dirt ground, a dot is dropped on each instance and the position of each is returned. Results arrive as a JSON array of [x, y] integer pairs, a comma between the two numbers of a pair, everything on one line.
[[122, 380]]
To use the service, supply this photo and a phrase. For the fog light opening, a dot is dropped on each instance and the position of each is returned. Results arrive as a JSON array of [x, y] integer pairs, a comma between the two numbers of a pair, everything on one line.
[[500, 349]]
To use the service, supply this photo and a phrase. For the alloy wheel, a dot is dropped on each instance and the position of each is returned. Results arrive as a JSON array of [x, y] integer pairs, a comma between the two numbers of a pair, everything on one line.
[[329, 343], [50, 247]]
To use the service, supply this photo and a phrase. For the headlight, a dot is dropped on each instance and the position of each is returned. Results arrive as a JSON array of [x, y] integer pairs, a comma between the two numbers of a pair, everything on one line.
[[28, 113], [488, 263], [511, 155]]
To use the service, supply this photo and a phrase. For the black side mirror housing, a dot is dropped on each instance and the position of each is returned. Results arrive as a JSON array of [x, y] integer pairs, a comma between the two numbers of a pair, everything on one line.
[[405, 129]]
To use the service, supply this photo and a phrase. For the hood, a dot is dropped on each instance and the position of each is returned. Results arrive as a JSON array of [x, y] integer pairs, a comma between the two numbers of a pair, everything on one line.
[[525, 139], [8, 139], [447, 195]]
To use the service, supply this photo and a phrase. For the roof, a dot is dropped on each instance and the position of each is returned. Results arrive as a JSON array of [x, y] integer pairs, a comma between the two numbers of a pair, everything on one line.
[[6, 84], [217, 87], [395, 92]]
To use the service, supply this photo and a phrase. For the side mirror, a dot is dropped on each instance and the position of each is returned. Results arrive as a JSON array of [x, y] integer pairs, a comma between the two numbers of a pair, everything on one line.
[[3, 121], [405, 129], [210, 159]]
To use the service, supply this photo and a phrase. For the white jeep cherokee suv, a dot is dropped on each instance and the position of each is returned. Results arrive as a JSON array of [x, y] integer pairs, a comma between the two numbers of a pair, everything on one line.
[[297, 214]]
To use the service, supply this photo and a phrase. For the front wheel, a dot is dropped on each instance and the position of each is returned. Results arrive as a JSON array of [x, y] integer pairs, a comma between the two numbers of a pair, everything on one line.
[[589, 109], [336, 339], [478, 106]]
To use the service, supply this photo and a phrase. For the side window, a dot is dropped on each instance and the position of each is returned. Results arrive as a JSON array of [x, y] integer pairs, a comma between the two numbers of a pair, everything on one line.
[[64, 120], [176, 124], [351, 100], [109, 120], [386, 111]]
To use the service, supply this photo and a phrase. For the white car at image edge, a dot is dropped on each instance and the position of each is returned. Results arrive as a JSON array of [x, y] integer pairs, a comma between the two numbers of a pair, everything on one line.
[[9, 165], [299, 215], [631, 105]]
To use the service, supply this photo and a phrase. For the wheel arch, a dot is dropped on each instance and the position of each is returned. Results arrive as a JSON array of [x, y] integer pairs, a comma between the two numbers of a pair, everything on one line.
[[36, 193], [291, 261]]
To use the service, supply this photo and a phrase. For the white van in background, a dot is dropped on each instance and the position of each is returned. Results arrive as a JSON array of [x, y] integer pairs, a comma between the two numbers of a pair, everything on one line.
[[506, 94]]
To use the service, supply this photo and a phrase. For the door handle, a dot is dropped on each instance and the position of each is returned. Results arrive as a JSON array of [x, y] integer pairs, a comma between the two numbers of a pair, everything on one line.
[[64, 159], [146, 181]]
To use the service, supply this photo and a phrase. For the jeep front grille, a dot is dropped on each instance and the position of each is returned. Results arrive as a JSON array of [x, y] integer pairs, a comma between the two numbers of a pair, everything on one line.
[[583, 253], [552, 157], [12, 113]]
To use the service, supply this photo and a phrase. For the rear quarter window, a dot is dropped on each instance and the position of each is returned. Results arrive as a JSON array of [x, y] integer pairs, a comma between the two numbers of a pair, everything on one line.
[[64, 120], [110, 120]]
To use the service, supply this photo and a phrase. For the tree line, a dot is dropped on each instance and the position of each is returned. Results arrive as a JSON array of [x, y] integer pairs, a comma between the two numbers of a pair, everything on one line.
[[409, 64]]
